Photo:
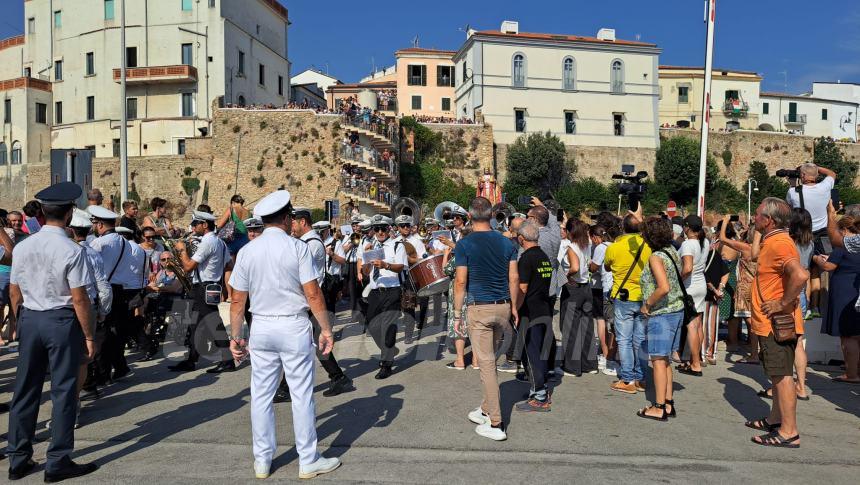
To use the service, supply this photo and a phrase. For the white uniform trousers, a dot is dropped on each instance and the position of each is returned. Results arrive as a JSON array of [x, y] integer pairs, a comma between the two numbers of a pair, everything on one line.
[[276, 343]]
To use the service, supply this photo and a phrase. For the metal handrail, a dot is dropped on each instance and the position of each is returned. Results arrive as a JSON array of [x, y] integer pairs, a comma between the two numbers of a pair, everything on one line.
[[367, 190], [369, 156], [375, 124], [794, 118]]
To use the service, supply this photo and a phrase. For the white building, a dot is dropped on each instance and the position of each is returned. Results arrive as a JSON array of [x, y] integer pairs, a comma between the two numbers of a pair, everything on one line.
[[590, 91], [181, 55], [314, 76], [809, 115], [844, 92]]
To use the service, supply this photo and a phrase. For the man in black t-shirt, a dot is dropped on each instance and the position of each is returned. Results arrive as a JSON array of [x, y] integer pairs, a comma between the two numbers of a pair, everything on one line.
[[535, 311]]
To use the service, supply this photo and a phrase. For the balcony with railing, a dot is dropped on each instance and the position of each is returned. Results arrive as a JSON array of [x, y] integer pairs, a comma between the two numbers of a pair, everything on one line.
[[370, 157], [736, 107], [387, 105], [157, 74], [794, 119], [371, 192], [384, 128]]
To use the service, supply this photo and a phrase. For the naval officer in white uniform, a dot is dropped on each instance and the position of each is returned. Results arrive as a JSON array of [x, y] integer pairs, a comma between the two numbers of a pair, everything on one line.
[[277, 272]]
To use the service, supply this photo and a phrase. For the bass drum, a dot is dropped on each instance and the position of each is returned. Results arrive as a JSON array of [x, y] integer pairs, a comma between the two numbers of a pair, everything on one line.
[[428, 276]]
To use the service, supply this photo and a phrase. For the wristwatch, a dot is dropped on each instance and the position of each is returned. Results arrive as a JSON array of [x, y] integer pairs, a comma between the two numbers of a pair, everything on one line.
[[235, 338]]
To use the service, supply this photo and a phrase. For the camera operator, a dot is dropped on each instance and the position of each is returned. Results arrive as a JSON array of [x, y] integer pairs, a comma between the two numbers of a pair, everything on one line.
[[814, 196]]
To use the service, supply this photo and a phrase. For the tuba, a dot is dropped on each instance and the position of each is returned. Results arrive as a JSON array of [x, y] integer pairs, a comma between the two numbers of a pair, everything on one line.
[[502, 213], [174, 265], [404, 206], [444, 211]]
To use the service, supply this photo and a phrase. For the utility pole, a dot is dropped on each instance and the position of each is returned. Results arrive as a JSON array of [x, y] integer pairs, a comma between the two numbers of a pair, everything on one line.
[[123, 130], [706, 104]]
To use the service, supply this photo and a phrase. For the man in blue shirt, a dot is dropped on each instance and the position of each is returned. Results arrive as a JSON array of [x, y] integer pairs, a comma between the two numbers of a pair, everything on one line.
[[486, 270]]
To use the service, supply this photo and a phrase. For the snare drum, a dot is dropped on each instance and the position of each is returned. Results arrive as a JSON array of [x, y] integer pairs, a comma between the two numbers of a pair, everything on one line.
[[428, 276]]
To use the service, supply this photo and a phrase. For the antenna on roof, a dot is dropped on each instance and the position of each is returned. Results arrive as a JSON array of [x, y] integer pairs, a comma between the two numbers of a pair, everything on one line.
[[466, 30], [415, 41]]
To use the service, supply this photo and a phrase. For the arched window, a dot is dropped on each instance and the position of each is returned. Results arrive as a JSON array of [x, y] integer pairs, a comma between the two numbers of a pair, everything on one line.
[[240, 101], [518, 71], [16, 153], [3, 154], [568, 74], [617, 76]]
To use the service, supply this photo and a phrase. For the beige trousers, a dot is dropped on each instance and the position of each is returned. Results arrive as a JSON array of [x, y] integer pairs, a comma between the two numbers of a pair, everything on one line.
[[487, 327]]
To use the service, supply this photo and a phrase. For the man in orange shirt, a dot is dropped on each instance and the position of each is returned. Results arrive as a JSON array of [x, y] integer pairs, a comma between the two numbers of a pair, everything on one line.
[[776, 289]]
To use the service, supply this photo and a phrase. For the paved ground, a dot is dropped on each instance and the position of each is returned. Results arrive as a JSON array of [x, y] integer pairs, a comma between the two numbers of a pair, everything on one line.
[[195, 428]]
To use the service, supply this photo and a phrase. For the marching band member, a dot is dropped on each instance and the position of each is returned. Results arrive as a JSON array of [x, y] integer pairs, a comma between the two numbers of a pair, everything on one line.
[[125, 264], [276, 271], [383, 301], [48, 290], [302, 229], [207, 268]]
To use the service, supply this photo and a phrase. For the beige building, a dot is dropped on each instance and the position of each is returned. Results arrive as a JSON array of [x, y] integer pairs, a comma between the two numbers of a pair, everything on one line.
[[596, 93], [181, 55], [425, 82], [734, 98]]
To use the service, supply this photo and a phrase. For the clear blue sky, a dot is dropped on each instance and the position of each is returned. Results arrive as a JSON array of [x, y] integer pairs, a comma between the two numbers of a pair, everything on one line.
[[810, 40]]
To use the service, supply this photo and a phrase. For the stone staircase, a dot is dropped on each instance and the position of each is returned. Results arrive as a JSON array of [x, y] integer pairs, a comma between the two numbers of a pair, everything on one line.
[[358, 196]]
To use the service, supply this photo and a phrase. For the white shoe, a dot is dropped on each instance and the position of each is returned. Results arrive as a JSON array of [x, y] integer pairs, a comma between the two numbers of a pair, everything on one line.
[[601, 362], [477, 416], [488, 431], [322, 465], [261, 470], [611, 369]]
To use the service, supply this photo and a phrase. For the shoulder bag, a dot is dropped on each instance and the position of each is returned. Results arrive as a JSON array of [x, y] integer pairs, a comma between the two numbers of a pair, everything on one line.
[[690, 312], [622, 293], [227, 233], [781, 323]]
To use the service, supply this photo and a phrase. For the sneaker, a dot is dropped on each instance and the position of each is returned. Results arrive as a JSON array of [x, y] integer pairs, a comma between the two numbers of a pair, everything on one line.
[[601, 362], [625, 387], [640, 385], [533, 406], [261, 470], [808, 315], [477, 416], [508, 366], [611, 369], [494, 433], [453, 366], [322, 465], [339, 386], [815, 313]]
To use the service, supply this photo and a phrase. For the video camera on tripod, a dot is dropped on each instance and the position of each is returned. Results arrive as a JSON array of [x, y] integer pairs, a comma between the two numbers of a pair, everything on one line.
[[632, 186]]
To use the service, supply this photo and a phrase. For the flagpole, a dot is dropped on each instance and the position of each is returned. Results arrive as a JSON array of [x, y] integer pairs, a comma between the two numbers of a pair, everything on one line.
[[123, 130], [706, 104]]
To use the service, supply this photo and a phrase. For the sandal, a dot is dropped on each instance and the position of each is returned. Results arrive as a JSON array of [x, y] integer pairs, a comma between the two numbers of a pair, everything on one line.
[[454, 366], [762, 425], [663, 417], [765, 394], [689, 371], [747, 360], [711, 360], [672, 413], [776, 440]]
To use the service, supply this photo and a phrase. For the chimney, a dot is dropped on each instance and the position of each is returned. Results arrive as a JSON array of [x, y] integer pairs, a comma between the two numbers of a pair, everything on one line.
[[606, 34], [510, 27]]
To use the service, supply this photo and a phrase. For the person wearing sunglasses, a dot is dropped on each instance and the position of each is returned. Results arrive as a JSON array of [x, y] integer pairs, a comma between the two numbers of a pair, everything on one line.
[[382, 270]]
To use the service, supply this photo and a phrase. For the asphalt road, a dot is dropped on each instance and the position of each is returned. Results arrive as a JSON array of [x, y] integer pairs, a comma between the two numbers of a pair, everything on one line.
[[160, 427]]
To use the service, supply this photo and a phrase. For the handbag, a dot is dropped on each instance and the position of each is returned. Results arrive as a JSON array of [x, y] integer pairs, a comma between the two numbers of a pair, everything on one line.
[[690, 311], [227, 233], [781, 323]]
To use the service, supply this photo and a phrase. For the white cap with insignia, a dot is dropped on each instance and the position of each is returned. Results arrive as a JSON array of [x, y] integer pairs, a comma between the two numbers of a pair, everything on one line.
[[100, 212], [322, 225], [81, 219], [272, 203], [381, 220], [202, 216], [252, 223], [404, 219], [123, 230]]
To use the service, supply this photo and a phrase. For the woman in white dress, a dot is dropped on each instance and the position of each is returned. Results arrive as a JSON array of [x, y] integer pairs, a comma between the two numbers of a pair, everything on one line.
[[694, 255]]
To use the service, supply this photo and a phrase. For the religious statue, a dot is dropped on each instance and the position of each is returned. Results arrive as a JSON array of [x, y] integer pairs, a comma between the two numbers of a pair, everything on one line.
[[488, 188]]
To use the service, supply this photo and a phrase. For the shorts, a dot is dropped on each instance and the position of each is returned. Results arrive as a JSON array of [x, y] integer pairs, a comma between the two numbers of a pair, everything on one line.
[[777, 358], [664, 333], [4, 289], [597, 303]]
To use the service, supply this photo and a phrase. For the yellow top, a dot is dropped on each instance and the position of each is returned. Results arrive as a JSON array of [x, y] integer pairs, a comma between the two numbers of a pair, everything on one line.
[[619, 257]]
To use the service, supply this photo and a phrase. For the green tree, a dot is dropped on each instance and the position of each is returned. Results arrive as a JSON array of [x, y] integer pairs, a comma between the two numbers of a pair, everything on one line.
[[827, 154], [585, 195], [427, 183], [537, 164], [677, 169], [768, 185], [428, 143]]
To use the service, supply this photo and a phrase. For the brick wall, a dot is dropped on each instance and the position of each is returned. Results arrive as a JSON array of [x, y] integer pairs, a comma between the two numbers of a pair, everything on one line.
[[597, 162], [14, 191]]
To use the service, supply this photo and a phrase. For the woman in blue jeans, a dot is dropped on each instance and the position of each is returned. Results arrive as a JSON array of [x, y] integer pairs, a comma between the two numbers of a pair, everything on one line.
[[663, 306]]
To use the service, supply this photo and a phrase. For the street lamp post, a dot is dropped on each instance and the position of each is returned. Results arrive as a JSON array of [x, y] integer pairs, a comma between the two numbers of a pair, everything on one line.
[[750, 189]]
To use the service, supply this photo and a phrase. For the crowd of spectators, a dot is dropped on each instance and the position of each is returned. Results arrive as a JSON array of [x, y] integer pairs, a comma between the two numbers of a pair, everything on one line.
[[359, 182], [443, 120]]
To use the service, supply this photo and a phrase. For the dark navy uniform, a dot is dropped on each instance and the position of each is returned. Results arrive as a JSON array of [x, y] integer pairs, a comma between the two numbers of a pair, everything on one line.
[[45, 268]]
